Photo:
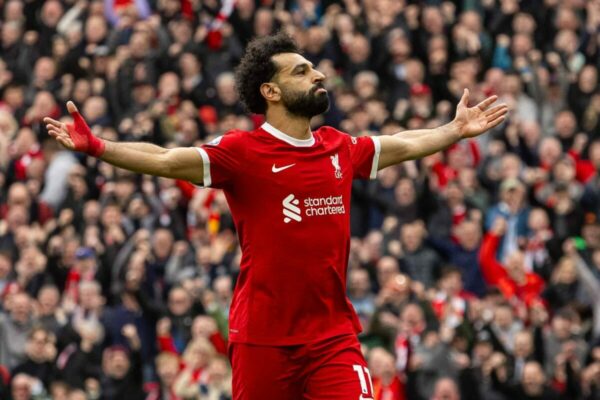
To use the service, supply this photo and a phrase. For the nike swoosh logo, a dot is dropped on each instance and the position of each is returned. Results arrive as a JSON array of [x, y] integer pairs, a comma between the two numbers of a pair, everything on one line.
[[276, 170]]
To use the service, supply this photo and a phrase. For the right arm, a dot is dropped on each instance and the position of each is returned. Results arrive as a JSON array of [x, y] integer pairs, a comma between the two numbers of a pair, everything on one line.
[[145, 158]]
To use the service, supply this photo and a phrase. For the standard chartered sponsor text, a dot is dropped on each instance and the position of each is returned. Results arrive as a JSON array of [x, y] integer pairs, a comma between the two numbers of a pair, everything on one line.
[[331, 205]]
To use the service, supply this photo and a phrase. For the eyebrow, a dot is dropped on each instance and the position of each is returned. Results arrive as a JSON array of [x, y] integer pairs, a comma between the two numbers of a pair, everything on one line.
[[303, 65]]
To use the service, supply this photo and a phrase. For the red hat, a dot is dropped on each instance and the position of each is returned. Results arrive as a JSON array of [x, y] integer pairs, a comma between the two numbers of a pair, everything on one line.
[[208, 115], [420, 89]]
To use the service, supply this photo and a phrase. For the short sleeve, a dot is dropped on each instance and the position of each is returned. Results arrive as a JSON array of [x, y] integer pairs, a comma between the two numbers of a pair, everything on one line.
[[220, 158], [364, 153]]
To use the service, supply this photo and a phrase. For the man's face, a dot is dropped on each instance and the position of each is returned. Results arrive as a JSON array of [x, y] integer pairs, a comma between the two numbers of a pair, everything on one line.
[[302, 91]]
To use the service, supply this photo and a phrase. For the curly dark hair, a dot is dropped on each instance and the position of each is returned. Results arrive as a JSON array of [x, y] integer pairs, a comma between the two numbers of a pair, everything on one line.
[[257, 67]]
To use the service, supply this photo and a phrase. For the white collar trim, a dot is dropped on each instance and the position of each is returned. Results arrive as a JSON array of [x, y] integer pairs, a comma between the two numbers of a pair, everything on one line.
[[287, 138]]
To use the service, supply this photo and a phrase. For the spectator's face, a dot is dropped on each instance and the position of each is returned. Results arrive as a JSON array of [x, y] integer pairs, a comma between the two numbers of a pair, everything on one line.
[[471, 20], [167, 368], [21, 387], [588, 79], [226, 89], [13, 11], [483, 351], [503, 317], [565, 124], [433, 21], [218, 371], [139, 45], [521, 45], [387, 267], [10, 34], [45, 103], [52, 11], [45, 69], [89, 296], [360, 50], [179, 302], [511, 166], [168, 85], [36, 345], [118, 364], [549, 151], [21, 307], [18, 195], [263, 22], [561, 327], [5, 266], [514, 265], [94, 108], [162, 243], [538, 219], [523, 344], [566, 41], [451, 284], [82, 90], [530, 131], [95, 29], [405, 192], [297, 86], [77, 394], [359, 284], [566, 19], [564, 171], [198, 353], [365, 84], [17, 216], [524, 23], [14, 97], [222, 288], [533, 379], [48, 298], [445, 389], [412, 319], [469, 235], [411, 237], [91, 212]]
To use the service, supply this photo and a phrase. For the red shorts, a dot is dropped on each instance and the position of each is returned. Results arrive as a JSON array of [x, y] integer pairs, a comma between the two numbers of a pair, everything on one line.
[[332, 369]]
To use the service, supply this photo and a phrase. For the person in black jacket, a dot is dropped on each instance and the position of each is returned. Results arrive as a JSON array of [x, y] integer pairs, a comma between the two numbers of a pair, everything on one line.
[[533, 384]]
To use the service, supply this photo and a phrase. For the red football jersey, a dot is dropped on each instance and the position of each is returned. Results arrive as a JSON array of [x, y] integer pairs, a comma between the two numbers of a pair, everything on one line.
[[290, 201]]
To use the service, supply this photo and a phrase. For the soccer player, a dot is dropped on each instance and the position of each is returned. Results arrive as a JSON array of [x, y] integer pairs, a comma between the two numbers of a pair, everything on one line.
[[292, 329]]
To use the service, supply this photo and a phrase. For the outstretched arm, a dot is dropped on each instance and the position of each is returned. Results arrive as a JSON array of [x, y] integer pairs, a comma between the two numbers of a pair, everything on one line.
[[145, 158], [469, 122]]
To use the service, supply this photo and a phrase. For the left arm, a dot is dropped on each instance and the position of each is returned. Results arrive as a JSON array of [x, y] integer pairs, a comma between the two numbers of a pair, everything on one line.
[[469, 122]]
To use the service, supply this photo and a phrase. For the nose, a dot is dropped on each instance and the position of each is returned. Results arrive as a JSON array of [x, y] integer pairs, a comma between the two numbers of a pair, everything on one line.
[[318, 76]]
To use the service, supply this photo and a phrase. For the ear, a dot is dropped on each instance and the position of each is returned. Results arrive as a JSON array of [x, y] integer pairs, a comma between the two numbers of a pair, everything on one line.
[[270, 91]]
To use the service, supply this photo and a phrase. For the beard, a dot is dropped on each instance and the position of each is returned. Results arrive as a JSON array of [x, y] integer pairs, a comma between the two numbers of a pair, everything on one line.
[[305, 105]]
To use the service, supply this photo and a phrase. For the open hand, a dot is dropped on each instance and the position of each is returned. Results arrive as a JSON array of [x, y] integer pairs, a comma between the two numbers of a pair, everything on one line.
[[473, 121], [76, 136]]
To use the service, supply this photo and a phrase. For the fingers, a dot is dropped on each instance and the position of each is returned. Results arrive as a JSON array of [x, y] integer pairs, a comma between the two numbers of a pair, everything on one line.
[[495, 109], [495, 122], [464, 100], [497, 113], [487, 102], [72, 108], [66, 142], [50, 121]]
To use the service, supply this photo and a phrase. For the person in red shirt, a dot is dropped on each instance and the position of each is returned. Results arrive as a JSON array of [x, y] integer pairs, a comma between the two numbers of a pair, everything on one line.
[[512, 279], [292, 330]]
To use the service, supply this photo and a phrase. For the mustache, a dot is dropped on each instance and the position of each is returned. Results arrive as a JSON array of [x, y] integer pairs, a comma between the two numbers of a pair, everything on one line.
[[317, 87]]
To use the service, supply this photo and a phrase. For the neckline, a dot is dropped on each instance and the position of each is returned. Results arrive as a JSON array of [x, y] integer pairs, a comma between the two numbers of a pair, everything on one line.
[[287, 138]]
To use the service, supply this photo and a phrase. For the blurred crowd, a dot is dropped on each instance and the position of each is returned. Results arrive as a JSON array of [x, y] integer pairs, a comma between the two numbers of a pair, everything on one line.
[[475, 271]]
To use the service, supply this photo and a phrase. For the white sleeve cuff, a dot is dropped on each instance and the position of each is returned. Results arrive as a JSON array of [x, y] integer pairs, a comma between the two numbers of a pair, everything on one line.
[[375, 164], [206, 181]]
